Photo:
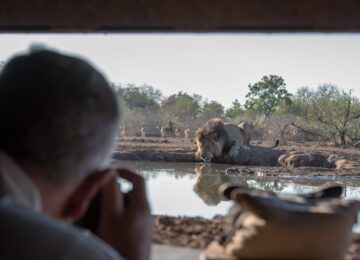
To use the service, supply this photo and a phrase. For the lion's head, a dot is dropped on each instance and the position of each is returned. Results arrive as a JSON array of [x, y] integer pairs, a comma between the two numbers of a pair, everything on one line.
[[207, 184], [207, 140]]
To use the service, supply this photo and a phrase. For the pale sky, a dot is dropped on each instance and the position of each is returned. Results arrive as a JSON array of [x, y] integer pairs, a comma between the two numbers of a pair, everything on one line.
[[216, 66]]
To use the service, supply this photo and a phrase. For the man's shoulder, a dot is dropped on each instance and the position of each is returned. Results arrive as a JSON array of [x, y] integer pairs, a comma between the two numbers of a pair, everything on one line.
[[26, 234]]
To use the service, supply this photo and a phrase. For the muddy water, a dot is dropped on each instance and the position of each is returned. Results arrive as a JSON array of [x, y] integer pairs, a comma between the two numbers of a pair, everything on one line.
[[188, 189]]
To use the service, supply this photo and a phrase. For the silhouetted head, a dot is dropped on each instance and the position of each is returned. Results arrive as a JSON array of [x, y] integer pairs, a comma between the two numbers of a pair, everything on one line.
[[57, 113]]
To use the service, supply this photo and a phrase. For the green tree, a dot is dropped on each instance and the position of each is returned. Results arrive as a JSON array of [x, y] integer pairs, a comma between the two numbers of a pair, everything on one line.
[[212, 109], [140, 97], [266, 95], [235, 110], [329, 109], [182, 106], [139, 105]]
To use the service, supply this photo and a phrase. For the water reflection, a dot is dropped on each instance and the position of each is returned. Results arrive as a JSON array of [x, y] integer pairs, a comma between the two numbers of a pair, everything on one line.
[[152, 170], [208, 181], [191, 188]]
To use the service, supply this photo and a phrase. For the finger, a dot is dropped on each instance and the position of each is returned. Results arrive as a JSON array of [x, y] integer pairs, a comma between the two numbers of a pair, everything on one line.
[[112, 197], [137, 181], [138, 193]]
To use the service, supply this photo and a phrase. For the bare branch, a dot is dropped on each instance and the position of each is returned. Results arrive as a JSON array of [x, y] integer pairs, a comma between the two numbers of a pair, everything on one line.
[[306, 131]]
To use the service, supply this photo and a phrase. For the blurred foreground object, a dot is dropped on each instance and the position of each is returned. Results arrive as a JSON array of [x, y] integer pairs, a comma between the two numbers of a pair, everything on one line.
[[264, 225]]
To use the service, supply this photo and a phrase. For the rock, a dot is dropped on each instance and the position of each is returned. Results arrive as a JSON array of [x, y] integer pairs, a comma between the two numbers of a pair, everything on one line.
[[252, 157], [298, 159]]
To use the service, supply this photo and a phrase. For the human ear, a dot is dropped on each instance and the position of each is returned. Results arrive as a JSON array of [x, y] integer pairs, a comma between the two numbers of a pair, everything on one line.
[[78, 202]]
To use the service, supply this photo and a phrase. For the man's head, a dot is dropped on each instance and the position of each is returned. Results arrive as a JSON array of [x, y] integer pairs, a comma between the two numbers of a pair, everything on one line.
[[58, 115]]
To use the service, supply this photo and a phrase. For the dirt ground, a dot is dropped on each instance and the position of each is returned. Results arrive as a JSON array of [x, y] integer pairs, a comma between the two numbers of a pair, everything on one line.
[[155, 149], [306, 159], [198, 232], [180, 146]]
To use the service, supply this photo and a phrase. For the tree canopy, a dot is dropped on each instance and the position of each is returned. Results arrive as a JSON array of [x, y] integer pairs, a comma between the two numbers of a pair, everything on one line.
[[212, 109], [326, 112], [182, 105], [266, 95], [144, 96], [235, 110], [335, 110]]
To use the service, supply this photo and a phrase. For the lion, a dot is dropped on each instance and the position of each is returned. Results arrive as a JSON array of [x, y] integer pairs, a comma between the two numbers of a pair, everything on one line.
[[216, 138], [162, 132], [208, 182], [122, 132], [177, 132], [246, 131], [142, 131], [187, 134]]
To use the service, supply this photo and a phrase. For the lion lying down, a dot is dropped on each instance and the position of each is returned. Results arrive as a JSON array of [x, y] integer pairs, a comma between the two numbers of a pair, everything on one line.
[[217, 139]]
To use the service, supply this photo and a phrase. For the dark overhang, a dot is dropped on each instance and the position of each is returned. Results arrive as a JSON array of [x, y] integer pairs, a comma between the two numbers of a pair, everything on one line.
[[179, 16]]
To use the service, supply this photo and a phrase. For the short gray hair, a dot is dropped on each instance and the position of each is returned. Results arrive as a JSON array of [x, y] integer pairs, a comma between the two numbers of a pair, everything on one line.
[[57, 113]]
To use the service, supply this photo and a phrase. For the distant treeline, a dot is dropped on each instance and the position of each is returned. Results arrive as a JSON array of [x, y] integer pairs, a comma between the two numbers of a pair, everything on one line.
[[325, 113]]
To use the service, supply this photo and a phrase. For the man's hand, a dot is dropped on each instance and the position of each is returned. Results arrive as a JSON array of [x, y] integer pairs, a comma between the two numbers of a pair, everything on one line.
[[127, 226]]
